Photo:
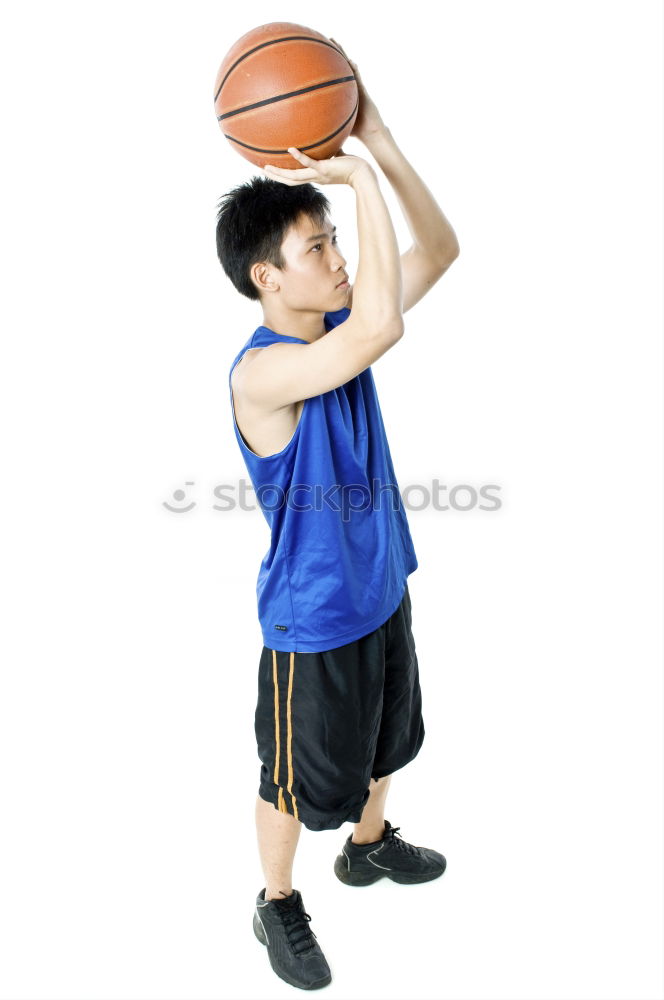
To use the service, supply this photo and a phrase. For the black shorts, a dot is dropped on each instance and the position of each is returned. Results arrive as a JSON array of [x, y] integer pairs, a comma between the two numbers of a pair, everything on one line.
[[326, 723]]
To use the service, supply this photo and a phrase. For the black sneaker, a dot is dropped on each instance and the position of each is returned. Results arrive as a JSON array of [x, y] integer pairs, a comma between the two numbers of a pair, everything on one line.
[[292, 948], [392, 857]]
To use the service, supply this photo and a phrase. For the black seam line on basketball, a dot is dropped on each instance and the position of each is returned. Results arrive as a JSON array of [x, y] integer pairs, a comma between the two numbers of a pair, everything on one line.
[[284, 97], [273, 41], [256, 149]]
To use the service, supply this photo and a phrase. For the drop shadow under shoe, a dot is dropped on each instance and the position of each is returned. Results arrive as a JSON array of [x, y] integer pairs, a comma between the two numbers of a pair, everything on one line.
[[292, 948], [392, 857]]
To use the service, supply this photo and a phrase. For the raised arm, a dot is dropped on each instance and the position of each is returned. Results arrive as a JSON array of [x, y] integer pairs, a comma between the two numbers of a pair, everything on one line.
[[377, 292], [435, 245], [282, 374]]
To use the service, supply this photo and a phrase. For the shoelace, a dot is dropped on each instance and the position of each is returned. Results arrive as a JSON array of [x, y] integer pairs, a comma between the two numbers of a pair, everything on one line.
[[402, 844], [296, 923]]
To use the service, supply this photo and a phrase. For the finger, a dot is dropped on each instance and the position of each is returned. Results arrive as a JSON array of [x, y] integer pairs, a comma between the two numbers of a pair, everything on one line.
[[288, 172], [283, 173], [302, 157], [343, 52], [285, 176], [299, 176], [338, 45], [297, 155]]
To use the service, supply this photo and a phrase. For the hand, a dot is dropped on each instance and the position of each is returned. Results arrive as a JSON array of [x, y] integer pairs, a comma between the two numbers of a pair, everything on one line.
[[339, 169], [368, 120]]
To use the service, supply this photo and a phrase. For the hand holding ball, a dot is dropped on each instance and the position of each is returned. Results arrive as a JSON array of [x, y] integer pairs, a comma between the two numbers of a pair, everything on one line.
[[338, 169]]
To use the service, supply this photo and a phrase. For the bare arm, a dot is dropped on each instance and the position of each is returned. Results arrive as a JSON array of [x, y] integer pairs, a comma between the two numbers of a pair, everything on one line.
[[377, 292], [282, 374], [429, 228], [435, 245]]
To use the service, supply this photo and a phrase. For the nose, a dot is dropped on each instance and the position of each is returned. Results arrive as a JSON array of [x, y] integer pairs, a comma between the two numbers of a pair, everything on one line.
[[337, 256]]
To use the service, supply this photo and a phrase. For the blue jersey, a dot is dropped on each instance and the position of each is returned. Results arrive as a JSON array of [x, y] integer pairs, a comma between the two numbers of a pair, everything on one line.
[[340, 550]]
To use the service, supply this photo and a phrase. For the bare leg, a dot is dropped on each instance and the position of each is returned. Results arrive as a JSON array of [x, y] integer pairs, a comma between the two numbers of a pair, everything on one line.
[[278, 834], [372, 825]]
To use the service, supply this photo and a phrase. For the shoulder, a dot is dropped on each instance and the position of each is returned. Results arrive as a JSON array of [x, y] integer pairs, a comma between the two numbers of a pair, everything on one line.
[[245, 361]]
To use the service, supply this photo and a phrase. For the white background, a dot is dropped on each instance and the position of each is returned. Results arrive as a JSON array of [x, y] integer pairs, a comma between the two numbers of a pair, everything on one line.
[[131, 640]]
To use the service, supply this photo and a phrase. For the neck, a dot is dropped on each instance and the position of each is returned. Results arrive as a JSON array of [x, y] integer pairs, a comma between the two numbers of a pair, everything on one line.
[[305, 324]]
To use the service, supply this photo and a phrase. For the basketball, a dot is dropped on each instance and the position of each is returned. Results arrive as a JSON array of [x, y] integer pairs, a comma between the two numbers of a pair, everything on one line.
[[284, 85]]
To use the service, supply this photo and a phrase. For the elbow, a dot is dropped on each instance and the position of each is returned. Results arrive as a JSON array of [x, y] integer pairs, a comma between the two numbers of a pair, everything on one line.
[[386, 324], [447, 256], [453, 253], [393, 329]]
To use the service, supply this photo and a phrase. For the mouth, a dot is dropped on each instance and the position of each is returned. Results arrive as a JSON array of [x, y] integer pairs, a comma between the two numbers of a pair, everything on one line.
[[343, 284]]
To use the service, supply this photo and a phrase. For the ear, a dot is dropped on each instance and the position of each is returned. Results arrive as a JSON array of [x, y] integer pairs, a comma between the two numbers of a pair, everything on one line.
[[263, 277]]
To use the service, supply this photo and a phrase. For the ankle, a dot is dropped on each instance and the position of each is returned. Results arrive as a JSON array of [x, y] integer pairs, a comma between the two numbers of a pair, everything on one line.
[[277, 893], [367, 838]]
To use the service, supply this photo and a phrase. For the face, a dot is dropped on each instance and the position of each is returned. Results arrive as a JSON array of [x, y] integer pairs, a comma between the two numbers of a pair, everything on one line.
[[314, 267]]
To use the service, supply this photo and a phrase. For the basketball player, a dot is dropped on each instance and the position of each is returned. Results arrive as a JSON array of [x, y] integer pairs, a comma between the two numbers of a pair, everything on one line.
[[339, 700]]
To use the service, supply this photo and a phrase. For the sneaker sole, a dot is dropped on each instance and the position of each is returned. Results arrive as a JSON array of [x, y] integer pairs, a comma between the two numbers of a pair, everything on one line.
[[260, 934], [368, 878]]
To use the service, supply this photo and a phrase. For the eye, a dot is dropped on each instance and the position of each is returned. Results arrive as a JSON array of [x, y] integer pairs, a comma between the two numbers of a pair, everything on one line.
[[317, 246]]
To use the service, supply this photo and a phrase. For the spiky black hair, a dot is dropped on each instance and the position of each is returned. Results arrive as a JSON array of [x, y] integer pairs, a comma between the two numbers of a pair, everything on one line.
[[252, 221]]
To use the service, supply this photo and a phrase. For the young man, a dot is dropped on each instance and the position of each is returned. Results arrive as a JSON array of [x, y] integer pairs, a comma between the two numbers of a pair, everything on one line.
[[339, 701]]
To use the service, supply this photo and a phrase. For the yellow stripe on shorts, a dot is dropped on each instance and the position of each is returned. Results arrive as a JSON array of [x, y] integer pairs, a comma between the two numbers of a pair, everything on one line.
[[281, 802]]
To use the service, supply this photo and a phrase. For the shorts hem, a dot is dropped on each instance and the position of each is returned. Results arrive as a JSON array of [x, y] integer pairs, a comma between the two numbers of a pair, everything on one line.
[[377, 775], [309, 819]]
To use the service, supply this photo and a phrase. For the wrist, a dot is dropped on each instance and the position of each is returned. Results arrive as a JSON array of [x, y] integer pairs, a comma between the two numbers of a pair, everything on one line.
[[362, 175], [377, 136]]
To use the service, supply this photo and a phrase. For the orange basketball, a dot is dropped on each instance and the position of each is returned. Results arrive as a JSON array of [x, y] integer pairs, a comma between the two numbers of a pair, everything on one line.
[[285, 85]]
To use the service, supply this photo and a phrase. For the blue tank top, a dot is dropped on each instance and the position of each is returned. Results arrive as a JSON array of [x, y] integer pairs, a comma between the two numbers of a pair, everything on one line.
[[341, 549]]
